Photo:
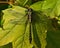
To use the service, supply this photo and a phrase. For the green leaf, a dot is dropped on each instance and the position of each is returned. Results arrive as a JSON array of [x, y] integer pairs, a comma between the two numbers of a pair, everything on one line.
[[16, 28], [39, 26], [23, 2], [48, 7], [51, 8], [37, 6], [7, 46], [53, 39]]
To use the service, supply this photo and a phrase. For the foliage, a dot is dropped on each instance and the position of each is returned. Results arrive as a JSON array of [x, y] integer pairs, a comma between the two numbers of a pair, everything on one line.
[[27, 24]]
